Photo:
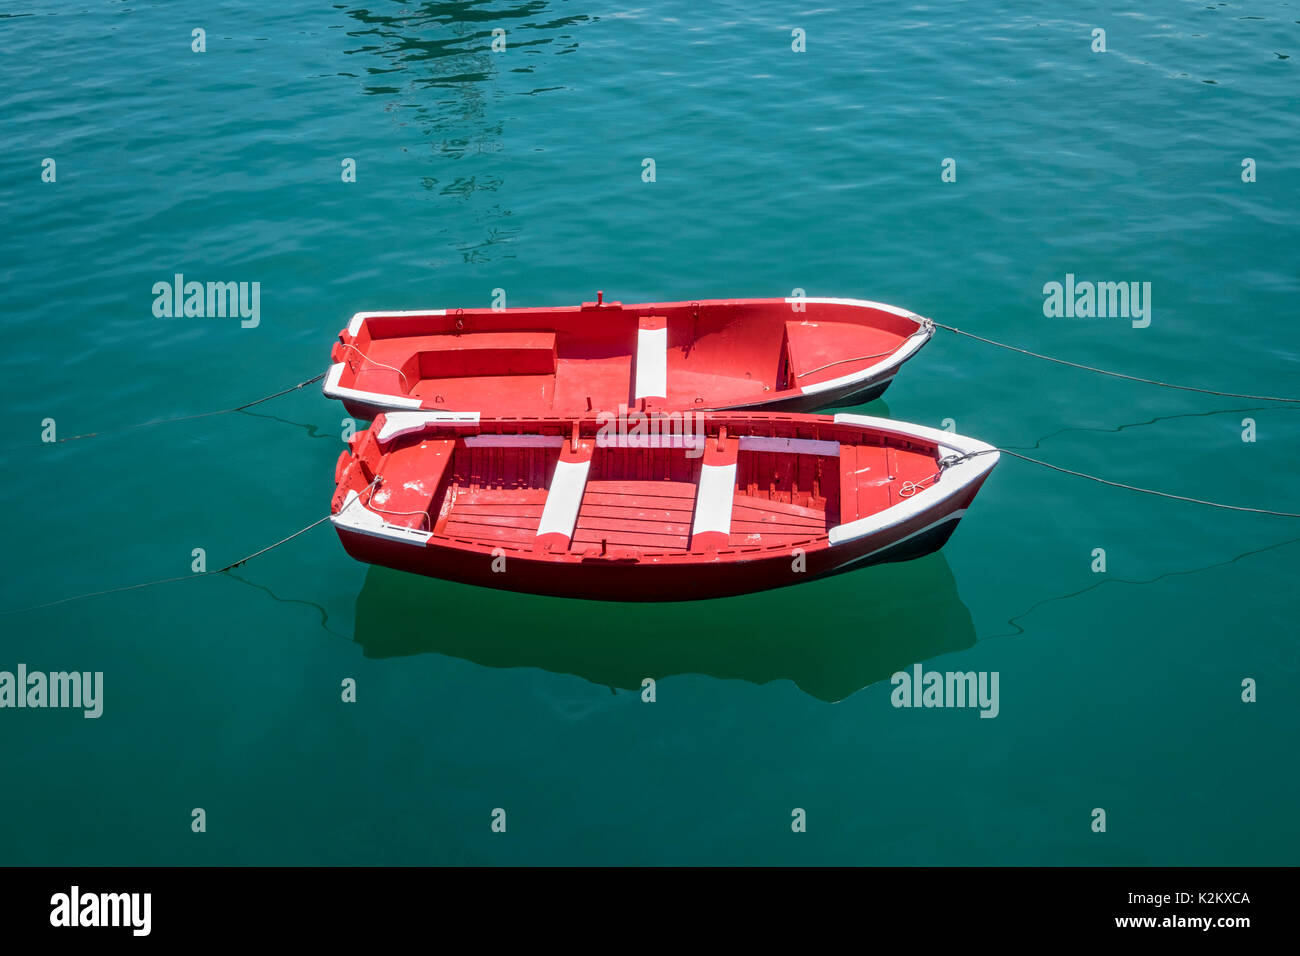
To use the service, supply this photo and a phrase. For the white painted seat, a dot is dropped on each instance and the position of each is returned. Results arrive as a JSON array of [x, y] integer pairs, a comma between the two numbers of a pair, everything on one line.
[[715, 495], [714, 499], [652, 357], [564, 497]]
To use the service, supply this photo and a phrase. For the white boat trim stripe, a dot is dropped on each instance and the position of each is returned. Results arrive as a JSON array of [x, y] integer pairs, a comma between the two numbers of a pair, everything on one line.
[[403, 423], [333, 389], [860, 303], [354, 326], [949, 441], [354, 516]]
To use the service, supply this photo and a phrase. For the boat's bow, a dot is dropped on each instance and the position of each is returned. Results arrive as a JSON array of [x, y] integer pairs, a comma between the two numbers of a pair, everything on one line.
[[839, 350], [928, 503]]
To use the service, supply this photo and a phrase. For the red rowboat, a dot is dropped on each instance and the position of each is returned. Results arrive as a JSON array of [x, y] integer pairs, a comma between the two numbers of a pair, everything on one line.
[[795, 354], [671, 507]]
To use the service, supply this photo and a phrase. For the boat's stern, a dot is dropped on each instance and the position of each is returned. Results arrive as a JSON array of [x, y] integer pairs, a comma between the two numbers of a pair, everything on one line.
[[372, 370]]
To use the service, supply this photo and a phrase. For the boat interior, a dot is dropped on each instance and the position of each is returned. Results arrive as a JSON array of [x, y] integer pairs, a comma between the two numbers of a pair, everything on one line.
[[579, 359], [551, 493]]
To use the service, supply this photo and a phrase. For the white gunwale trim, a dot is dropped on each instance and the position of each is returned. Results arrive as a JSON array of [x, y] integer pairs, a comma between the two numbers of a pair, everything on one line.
[[715, 496], [354, 325], [404, 423], [790, 446], [354, 516], [564, 498], [954, 481], [952, 442], [860, 303], [333, 389], [652, 363]]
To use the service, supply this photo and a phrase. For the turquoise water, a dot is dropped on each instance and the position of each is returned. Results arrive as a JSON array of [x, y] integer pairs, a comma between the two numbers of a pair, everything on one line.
[[774, 170]]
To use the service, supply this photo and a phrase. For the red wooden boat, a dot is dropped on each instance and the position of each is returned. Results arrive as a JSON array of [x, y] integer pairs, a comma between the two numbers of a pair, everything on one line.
[[795, 354], [597, 507]]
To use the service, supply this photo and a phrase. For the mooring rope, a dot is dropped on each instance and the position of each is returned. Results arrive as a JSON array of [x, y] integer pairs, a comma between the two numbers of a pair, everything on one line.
[[1102, 371], [856, 358], [1118, 484], [186, 418], [370, 503], [181, 577], [391, 368]]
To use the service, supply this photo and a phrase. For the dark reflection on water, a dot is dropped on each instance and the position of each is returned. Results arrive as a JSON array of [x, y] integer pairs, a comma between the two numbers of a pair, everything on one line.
[[434, 65], [831, 637]]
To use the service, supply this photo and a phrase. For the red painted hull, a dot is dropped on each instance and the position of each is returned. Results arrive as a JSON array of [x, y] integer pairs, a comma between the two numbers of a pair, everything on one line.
[[787, 354], [774, 500]]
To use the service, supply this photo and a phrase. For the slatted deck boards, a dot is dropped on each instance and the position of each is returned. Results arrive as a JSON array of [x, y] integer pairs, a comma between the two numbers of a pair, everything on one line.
[[638, 497], [763, 521], [643, 514], [499, 494]]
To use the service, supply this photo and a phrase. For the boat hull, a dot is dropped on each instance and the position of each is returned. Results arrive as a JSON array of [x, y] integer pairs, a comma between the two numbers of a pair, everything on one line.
[[576, 508], [685, 579], [796, 355]]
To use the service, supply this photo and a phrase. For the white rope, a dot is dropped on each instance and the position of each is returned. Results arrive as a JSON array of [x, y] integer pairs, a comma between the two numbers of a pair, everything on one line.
[[370, 505], [923, 330], [380, 364], [860, 358], [910, 488]]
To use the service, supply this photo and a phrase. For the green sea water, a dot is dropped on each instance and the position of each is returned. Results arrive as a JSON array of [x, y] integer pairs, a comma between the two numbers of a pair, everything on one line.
[[775, 170]]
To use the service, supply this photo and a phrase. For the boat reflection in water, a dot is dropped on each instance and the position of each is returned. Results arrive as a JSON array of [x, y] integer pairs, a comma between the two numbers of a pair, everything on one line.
[[830, 637]]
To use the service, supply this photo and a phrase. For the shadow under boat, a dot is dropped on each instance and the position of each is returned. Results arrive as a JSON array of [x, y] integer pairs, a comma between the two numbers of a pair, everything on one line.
[[830, 637]]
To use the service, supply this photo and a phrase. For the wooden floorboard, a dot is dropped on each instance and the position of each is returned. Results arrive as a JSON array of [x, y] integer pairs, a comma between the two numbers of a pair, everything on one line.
[[499, 494]]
